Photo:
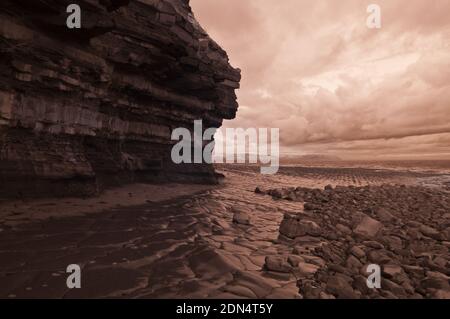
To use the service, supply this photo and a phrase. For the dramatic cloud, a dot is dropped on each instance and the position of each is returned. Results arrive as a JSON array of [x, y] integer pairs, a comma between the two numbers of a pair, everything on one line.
[[332, 85]]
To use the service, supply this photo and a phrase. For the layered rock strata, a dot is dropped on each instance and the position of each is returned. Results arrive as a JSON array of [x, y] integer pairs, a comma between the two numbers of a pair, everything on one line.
[[81, 109]]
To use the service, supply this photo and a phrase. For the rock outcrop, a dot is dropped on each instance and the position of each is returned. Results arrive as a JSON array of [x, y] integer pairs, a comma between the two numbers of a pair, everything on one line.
[[81, 109]]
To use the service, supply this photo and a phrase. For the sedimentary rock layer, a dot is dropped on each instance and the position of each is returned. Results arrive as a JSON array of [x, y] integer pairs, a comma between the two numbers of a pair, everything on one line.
[[84, 108]]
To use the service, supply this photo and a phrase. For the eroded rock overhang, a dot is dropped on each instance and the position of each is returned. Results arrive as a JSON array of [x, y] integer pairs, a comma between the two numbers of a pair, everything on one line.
[[81, 109]]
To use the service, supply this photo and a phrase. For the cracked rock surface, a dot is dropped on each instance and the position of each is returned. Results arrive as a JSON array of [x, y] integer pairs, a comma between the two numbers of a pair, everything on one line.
[[192, 247]]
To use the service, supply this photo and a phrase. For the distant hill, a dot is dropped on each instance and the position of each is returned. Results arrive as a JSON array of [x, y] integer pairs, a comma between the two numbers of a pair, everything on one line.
[[292, 159]]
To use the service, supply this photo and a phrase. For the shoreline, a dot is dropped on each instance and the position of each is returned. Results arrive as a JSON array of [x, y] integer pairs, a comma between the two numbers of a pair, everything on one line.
[[13, 212], [228, 241]]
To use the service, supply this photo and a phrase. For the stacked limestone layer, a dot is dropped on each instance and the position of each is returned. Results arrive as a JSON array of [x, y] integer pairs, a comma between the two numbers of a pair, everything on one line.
[[85, 108]]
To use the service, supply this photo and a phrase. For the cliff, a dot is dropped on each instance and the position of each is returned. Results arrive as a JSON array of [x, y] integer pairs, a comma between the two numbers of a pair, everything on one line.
[[83, 109]]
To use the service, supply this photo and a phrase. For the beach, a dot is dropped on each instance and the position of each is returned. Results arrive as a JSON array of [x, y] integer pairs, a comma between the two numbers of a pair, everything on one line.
[[227, 241]]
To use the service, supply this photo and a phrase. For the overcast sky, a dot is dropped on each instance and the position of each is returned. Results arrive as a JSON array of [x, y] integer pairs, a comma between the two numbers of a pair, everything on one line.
[[332, 85]]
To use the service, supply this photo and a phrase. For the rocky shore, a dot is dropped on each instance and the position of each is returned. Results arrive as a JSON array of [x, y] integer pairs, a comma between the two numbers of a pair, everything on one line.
[[228, 241], [403, 229]]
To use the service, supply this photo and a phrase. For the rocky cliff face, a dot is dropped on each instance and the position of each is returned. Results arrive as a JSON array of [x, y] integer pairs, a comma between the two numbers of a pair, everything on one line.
[[81, 109]]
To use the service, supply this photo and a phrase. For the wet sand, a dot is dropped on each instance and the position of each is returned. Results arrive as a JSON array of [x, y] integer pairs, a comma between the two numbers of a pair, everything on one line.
[[144, 241]]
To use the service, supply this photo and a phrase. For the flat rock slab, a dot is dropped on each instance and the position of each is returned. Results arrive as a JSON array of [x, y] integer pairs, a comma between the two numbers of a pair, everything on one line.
[[368, 227]]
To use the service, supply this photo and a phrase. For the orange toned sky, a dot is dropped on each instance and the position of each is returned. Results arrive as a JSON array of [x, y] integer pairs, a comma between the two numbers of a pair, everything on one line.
[[334, 86]]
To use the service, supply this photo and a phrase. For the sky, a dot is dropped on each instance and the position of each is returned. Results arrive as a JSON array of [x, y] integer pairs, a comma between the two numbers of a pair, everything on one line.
[[313, 69]]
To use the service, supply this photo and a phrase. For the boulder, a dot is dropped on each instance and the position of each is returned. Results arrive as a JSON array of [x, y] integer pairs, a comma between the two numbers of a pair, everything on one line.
[[277, 264], [241, 218], [441, 294], [353, 263], [280, 193], [343, 229], [341, 288], [436, 280], [294, 226], [368, 227], [357, 252], [392, 271], [307, 269], [384, 215], [430, 232]]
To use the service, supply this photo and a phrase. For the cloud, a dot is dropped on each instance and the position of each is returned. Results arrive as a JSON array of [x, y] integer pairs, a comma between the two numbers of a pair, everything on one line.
[[313, 69]]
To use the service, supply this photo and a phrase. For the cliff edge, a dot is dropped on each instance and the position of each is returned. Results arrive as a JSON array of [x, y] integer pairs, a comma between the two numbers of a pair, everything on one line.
[[83, 109]]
